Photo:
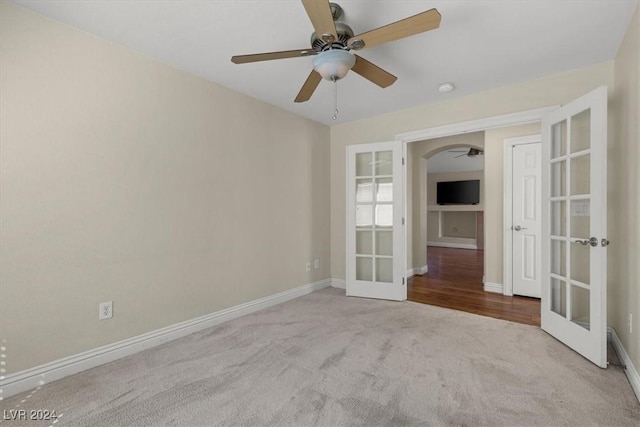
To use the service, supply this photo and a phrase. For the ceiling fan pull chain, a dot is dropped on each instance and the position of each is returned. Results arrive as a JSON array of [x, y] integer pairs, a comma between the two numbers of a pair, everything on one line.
[[335, 97]]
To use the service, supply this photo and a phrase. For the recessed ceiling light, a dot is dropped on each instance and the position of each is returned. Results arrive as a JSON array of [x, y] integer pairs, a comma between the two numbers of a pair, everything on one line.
[[445, 87]]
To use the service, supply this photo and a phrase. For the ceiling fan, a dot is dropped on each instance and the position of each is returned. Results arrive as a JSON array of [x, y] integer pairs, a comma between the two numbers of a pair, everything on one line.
[[333, 41], [471, 152]]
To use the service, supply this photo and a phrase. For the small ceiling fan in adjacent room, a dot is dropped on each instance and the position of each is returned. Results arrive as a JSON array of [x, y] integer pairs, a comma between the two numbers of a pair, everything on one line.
[[471, 152], [333, 41]]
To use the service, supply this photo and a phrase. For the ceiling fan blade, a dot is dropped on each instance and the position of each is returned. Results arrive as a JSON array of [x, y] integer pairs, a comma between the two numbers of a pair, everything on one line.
[[457, 151], [256, 57], [309, 86], [373, 73], [415, 24], [461, 155], [319, 12]]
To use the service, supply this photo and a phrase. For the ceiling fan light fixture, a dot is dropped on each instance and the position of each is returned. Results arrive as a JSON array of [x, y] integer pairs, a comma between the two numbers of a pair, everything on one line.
[[333, 64]]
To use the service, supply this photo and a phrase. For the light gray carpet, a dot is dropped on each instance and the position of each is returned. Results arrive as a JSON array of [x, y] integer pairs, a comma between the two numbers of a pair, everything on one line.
[[325, 359]]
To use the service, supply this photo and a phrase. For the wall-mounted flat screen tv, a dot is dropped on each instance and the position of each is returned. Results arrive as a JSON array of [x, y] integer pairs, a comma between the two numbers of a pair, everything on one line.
[[458, 192]]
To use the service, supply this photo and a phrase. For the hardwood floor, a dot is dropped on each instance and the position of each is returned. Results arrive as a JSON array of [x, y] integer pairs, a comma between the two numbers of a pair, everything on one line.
[[454, 281]]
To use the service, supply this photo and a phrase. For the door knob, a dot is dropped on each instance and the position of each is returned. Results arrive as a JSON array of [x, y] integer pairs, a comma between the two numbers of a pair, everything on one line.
[[592, 241], [518, 228]]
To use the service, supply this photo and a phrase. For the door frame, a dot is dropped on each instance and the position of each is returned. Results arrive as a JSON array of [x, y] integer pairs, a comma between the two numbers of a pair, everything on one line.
[[492, 122], [507, 202]]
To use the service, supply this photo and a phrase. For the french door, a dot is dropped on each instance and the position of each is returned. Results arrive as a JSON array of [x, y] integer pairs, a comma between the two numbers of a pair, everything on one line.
[[574, 263], [375, 229]]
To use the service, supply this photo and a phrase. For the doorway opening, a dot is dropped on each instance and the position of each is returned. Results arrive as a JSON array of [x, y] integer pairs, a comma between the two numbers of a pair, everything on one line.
[[457, 249]]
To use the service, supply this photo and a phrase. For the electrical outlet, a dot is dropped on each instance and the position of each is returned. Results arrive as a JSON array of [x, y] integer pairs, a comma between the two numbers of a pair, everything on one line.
[[316, 263], [308, 266], [106, 310]]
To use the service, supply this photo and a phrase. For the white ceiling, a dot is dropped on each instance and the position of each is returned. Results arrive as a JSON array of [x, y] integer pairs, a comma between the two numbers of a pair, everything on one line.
[[480, 44], [454, 160]]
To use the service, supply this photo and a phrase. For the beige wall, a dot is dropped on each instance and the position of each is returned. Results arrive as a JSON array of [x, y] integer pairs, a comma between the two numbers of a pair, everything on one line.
[[124, 179], [493, 199], [624, 194], [550, 90]]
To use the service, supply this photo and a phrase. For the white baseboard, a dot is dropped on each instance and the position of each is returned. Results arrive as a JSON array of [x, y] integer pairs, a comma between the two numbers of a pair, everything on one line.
[[338, 283], [418, 270], [630, 369], [452, 245], [494, 287], [34, 377]]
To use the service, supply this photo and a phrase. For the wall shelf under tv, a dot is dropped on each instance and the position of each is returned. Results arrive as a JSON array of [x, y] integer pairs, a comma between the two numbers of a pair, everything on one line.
[[456, 208]]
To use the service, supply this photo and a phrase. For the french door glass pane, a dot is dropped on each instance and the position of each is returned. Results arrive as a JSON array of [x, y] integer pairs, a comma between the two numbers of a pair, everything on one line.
[[364, 242], [580, 263], [580, 306], [364, 268], [384, 165], [364, 190], [558, 257], [384, 190], [384, 242], [384, 270], [559, 179], [364, 164], [364, 215], [580, 219], [581, 131], [559, 139], [580, 175], [558, 297], [384, 215], [559, 218]]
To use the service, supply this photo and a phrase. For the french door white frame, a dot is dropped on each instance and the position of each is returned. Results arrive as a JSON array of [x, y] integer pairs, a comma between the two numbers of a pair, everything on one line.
[[507, 214], [396, 289], [591, 342]]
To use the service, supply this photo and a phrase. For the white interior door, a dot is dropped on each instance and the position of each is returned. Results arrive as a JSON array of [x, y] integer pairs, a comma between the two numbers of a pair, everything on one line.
[[375, 229], [527, 224], [573, 305]]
